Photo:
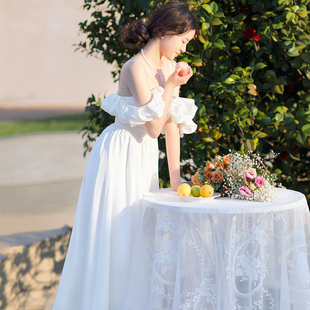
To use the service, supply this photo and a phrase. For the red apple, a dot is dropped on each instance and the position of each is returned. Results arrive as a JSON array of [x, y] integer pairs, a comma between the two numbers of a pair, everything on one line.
[[185, 68]]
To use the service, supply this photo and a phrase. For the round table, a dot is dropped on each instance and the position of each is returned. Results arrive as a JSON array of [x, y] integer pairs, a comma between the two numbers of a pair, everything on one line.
[[222, 254]]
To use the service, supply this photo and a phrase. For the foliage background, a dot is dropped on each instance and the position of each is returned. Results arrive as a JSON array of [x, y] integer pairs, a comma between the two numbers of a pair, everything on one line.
[[251, 84]]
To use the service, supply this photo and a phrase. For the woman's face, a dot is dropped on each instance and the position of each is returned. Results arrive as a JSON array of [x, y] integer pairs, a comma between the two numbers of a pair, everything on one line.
[[172, 45]]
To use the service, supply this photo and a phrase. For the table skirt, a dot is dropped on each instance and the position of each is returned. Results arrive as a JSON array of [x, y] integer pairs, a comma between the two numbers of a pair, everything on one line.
[[208, 261]]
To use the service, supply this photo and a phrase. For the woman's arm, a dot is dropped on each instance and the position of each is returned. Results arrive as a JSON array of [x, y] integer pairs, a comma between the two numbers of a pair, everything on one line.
[[172, 136], [137, 82]]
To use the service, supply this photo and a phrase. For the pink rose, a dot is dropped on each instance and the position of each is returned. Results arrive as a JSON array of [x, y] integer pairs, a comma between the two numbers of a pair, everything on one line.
[[245, 191], [260, 182], [248, 179], [251, 173]]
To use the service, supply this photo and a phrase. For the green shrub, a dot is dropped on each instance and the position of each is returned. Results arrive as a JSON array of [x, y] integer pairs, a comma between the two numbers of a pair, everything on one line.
[[251, 84]]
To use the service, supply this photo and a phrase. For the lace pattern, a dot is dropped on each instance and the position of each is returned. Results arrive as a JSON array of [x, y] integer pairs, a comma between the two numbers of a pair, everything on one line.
[[211, 261]]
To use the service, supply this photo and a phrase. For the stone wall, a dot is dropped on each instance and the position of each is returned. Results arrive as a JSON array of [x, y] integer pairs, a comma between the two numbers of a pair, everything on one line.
[[30, 274]]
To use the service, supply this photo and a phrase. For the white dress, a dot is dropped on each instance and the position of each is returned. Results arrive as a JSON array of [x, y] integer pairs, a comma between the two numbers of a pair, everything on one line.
[[122, 167]]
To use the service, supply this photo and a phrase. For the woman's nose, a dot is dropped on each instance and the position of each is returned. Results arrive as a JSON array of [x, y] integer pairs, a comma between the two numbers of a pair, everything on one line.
[[183, 49]]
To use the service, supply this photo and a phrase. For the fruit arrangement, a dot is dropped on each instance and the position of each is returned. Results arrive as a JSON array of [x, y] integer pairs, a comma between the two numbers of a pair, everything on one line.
[[186, 190]]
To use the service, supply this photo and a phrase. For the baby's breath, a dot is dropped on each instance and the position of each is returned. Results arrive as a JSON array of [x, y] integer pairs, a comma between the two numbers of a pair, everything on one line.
[[240, 176], [235, 177]]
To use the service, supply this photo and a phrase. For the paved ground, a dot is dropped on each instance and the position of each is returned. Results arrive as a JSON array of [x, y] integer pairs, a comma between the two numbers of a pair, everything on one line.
[[40, 179]]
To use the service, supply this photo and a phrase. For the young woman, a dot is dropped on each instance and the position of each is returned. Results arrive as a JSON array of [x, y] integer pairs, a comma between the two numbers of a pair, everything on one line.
[[123, 164]]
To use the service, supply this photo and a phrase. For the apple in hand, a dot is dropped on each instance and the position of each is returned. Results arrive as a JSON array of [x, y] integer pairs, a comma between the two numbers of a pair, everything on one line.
[[185, 68]]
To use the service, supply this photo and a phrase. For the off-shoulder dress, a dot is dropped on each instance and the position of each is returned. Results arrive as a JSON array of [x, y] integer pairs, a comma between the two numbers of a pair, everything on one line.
[[122, 167]]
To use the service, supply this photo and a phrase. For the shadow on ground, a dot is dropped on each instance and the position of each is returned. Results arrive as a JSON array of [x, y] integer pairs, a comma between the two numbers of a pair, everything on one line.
[[29, 274]]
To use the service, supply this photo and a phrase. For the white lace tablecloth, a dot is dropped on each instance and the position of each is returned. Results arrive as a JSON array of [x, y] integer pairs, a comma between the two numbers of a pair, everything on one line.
[[221, 254]]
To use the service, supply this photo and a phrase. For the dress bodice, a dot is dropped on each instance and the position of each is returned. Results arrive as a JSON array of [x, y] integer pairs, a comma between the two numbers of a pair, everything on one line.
[[182, 110]]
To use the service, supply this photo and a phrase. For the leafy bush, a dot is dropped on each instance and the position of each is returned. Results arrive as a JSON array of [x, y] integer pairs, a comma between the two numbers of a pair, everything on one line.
[[251, 84]]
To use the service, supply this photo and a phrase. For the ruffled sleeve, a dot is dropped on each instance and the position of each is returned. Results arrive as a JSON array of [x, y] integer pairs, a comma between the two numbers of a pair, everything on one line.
[[126, 111], [182, 111]]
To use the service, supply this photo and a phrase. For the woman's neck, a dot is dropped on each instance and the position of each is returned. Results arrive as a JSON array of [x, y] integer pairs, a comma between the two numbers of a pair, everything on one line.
[[152, 53]]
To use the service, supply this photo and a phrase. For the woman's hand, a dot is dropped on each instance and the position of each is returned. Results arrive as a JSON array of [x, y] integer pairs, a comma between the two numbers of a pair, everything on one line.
[[175, 80]]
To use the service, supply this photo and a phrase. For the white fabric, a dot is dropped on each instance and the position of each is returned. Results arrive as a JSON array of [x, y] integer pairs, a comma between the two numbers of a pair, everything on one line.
[[182, 110], [123, 166], [216, 256], [126, 111]]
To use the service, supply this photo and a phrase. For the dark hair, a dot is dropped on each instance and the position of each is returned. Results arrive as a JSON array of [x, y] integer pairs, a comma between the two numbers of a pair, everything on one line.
[[173, 18]]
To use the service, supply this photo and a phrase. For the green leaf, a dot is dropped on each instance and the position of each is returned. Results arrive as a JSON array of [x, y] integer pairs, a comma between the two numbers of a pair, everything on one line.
[[205, 26], [285, 32], [293, 50], [214, 7], [290, 16], [259, 135], [244, 111], [229, 81], [241, 17], [238, 69], [281, 109], [251, 144], [287, 44], [219, 43], [207, 45], [259, 53], [302, 44], [214, 85], [254, 111], [219, 15], [300, 114], [216, 22], [236, 49], [288, 120], [306, 129], [270, 14], [284, 67], [279, 89], [305, 57], [306, 97], [301, 137], [279, 117], [197, 60], [259, 65], [270, 75], [208, 139], [217, 135], [207, 8], [297, 62], [266, 120], [277, 26], [267, 85], [278, 171], [306, 83]]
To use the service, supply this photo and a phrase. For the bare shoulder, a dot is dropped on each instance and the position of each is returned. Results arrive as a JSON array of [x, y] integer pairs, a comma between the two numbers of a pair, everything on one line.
[[134, 82], [132, 74], [132, 67]]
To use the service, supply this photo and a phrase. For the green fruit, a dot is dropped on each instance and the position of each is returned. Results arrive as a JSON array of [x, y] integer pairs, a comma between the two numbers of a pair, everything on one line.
[[195, 191]]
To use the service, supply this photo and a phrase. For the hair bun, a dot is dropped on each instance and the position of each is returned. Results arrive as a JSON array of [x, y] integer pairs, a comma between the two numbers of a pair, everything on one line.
[[144, 30], [135, 34]]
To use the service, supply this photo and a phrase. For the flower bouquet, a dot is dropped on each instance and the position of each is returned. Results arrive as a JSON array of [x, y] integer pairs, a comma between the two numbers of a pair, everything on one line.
[[239, 176], [248, 178], [213, 173]]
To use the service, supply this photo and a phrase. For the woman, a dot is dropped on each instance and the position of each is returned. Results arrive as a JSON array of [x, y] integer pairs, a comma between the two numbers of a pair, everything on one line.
[[123, 164]]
